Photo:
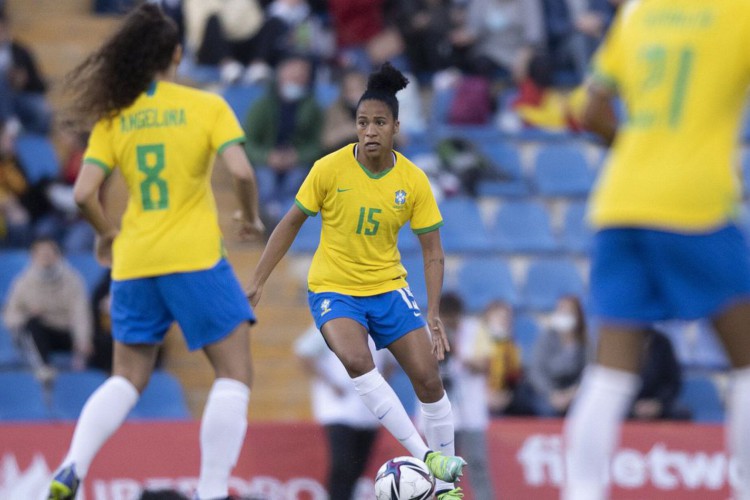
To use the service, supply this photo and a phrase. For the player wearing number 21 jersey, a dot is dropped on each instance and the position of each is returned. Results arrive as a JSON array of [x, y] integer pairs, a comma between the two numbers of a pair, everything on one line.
[[667, 245]]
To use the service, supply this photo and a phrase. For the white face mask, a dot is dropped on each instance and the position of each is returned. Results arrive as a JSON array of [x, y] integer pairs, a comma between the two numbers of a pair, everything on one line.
[[496, 325], [291, 91], [562, 321]]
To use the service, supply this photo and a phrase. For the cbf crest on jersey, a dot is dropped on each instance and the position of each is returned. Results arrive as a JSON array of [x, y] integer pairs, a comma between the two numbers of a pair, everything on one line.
[[400, 200]]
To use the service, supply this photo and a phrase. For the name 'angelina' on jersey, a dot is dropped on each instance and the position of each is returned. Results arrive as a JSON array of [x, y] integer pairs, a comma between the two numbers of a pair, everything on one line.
[[152, 118]]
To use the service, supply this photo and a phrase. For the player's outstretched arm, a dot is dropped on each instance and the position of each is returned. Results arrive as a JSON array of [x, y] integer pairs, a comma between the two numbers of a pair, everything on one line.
[[278, 245], [86, 196], [598, 114], [246, 191], [434, 268]]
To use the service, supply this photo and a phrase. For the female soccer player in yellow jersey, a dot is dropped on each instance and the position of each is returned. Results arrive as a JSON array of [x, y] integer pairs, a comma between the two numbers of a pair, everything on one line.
[[167, 258], [365, 192], [665, 208]]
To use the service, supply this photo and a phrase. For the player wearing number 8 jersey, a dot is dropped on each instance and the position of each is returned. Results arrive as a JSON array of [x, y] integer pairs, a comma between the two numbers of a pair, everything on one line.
[[365, 193], [167, 259], [666, 243]]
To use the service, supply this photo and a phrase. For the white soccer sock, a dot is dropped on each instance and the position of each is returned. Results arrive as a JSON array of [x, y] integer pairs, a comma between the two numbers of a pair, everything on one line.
[[439, 432], [738, 429], [592, 430], [379, 397], [102, 415], [222, 434]]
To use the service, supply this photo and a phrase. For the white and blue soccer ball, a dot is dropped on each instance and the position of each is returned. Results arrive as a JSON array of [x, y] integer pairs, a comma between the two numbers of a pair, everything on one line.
[[404, 478]]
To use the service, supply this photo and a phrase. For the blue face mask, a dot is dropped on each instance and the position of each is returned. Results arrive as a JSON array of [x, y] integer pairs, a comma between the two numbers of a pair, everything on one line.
[[292, 91]]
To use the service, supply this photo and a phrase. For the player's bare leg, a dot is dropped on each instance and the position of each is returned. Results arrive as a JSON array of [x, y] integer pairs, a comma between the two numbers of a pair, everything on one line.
[[732, 326]]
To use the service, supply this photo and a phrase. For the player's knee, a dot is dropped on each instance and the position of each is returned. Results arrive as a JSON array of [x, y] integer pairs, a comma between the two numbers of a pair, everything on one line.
[[357, 364], [428, 387]]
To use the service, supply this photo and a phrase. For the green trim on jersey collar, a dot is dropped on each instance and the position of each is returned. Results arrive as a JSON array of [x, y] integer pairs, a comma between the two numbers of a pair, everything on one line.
[[370, 173]]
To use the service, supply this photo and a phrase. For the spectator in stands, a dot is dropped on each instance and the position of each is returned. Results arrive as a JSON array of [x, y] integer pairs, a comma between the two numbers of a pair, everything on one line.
[[48, 305], [284, 130], [424, 26], [350, 427], [14, 217], [21, 85], [661, 378], [499, 37], [573, 29], [223, 34], [465, 372], [559, 358], [362, 37], [506, 392], [339, 129], [60, 219]]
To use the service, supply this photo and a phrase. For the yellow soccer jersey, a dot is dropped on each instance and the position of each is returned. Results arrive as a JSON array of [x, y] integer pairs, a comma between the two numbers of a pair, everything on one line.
[[164, 145], [361, 217], [682, 68]]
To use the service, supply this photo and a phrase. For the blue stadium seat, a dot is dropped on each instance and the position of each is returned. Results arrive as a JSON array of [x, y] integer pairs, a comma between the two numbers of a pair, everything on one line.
[[326, 94], [483, 280], [507, 163], [308, 237], [162, 399], [37, 157], [12, 263], [21, 397], [562, 170], [441, 102], [415, 268], [9, 355], [576, 235], [72, 389], [463, 229], [523, 226], [241, 97], [549, 279], [91, 271], [525, 332], [700, 395]]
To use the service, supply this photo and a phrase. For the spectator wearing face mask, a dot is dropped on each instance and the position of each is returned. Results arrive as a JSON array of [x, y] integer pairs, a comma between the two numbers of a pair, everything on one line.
[[48, 309], [339, 129], [283, 130], [558, 359], [505, 391]]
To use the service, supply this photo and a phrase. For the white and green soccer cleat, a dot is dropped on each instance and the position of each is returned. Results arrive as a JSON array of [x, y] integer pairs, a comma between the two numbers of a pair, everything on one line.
[[447, 469], [454, 494]]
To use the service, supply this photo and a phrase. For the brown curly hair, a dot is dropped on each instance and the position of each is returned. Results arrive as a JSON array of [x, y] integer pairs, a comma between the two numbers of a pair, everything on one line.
[[112, 78]]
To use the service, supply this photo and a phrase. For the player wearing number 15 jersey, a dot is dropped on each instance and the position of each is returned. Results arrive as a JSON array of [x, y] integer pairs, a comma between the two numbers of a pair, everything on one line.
[[665, 208], [365, 193], [167, 258]]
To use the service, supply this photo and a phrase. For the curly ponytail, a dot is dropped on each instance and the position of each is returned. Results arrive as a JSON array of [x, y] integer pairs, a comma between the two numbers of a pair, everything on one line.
[[383, 86]]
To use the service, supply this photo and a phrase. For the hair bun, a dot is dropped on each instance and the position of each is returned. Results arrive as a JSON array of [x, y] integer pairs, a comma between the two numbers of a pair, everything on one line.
[[388, 79]]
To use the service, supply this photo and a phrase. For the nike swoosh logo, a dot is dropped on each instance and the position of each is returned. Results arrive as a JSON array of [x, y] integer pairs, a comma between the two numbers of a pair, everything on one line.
[[443, 445], [384, 414], [417, 313], [339, 190]]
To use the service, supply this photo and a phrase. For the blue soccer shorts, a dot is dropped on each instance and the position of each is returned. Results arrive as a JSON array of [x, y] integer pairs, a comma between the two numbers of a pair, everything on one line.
[[208, 305], [643, 275], [387, 316]]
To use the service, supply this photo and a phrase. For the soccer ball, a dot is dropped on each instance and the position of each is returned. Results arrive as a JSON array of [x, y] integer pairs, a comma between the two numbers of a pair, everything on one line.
[[404, 478]]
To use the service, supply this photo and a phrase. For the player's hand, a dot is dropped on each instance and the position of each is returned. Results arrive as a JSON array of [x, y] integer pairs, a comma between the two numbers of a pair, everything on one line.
[[103, 247], [249, 230], [440, 343], [253, 293]]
